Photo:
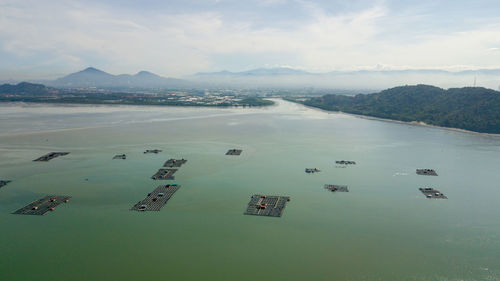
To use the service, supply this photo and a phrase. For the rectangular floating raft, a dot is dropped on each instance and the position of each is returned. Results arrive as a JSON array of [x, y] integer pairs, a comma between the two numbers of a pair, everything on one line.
[[43, 205], [432, 193], [345, 162], [164, 174], [234, 152], [335, 188], [426, 172], [155, 151], [174, 162], [50, 156], [312, 170], [155, 200], [265, 205], [3, 183]]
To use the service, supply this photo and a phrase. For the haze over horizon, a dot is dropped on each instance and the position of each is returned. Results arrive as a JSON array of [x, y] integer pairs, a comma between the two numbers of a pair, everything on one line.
[[49, 39]]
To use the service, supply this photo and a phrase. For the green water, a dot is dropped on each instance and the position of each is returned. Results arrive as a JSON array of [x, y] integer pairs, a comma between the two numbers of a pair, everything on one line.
[[383, 229]]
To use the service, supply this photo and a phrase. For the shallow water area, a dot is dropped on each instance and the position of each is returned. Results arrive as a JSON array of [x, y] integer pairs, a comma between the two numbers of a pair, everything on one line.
[[382, 229]]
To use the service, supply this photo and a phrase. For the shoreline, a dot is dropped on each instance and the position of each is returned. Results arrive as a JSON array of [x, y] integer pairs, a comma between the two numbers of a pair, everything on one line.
[[274, 100], [57, 130], [142, 104], [412, 123]]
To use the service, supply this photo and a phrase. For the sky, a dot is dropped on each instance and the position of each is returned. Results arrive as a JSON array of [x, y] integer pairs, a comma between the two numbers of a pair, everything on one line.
[[44, 39]]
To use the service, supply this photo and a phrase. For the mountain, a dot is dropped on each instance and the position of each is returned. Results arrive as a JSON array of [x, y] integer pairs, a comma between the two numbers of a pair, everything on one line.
[[480, 72], [365, 81], [359, 81], [292, 71], [256, 72], [89, 77], [281, 77], [26, 88], [471, 108], [92, 77]]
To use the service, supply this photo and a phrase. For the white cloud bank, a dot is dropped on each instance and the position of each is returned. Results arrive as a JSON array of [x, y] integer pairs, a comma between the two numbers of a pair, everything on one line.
[[53, 37]]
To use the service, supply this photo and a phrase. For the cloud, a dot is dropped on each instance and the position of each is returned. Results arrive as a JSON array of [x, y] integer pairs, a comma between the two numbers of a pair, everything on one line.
[[62, 36]]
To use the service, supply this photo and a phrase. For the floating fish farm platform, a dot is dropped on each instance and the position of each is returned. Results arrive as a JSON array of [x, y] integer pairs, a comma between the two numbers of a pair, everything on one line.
[[345, 162], [51, 156], [155, 200], [264, 205], [234, 152], [120, 156], [432, 193], [426, 172], [3, 183], [164, 174], [312, 170], [155, 151], [335, 188], [175, 162], [43, 205]]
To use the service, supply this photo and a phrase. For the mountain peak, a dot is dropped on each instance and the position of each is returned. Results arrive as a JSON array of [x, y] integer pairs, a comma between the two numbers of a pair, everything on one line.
[[145, 73], [92, 69]]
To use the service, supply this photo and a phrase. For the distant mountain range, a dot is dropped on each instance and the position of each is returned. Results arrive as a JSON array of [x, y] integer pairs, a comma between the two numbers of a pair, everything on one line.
[[292, 71], [282, 77], [92, 77], [258, 71], [357, 80]]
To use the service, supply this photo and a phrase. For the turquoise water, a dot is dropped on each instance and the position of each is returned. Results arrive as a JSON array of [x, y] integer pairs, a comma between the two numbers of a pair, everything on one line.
[[383, 229]]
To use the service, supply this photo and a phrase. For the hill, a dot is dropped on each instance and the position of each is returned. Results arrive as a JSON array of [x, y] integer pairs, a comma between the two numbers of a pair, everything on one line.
[[470, 108], [25, 88]]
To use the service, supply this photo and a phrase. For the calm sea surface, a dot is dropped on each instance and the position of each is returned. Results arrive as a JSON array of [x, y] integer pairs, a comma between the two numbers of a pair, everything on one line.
[[383, 229]]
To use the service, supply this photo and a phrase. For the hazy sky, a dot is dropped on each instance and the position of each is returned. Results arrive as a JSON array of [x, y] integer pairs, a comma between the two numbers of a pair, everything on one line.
[[48, 38]]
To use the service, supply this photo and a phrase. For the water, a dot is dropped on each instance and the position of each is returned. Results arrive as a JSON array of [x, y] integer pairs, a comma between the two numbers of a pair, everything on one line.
[[383, 229]]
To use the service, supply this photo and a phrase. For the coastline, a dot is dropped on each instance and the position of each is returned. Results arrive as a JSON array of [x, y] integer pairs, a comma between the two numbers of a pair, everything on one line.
[[413, 123], [236, 110], [98, 102]]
